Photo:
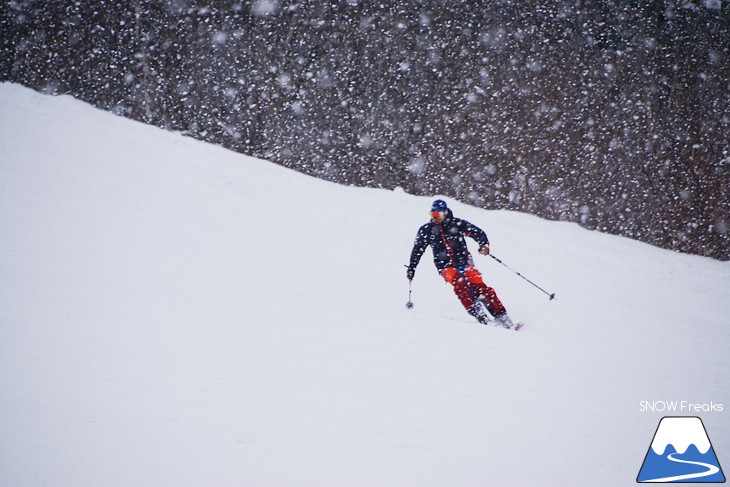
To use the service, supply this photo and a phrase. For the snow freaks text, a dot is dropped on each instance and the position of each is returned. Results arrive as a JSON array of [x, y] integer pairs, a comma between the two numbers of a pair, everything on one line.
[[680, 407]]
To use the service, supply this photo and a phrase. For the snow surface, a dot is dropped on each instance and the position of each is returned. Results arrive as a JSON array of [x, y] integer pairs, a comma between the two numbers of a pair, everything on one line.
[[172, 313]]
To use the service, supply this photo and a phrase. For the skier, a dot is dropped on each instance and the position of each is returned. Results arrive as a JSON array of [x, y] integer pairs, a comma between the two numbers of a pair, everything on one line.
[[445, 234]]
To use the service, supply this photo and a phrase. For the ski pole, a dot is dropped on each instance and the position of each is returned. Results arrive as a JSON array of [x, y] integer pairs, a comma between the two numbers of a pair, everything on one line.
[[552, 296], [409, 304]]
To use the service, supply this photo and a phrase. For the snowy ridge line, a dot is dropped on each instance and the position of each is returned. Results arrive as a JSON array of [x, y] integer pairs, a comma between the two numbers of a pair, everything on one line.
[[680, 432]]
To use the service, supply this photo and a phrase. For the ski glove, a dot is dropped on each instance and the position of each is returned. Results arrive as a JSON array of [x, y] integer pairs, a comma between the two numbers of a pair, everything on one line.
[[410, 273], [484, 250]]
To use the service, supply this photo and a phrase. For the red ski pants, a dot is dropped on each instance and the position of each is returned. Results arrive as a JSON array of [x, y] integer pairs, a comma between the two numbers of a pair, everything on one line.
[[469, 285]]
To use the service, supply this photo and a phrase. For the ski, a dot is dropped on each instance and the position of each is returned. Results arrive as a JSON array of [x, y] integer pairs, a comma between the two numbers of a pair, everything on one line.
[[489, 319], [517, 326]]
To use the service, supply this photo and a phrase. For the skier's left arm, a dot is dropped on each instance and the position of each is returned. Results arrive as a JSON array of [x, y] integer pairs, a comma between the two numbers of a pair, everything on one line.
[[479, 235]]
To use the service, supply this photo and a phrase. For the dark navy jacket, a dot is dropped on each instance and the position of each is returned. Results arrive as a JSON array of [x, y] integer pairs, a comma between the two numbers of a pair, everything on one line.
[[447, 241]]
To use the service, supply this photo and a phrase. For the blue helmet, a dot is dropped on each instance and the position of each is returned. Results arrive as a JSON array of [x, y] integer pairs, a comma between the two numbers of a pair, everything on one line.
[[439, 205]]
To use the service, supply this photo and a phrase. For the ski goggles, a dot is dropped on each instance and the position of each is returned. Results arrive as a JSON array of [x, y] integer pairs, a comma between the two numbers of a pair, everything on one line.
[[438, 216]]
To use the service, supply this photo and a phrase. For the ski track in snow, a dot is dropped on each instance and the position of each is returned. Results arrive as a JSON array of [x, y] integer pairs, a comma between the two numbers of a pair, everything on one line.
[[711, 470]]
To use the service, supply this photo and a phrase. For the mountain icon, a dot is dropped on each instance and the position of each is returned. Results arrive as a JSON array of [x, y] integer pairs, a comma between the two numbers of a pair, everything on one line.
[[681, 452]]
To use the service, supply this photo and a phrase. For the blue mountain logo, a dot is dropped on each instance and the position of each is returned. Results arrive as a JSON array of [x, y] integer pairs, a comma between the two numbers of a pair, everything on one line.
[[681, 452]]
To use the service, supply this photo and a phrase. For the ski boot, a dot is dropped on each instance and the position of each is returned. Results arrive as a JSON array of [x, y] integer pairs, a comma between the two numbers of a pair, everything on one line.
[[504, 320], [478, 312]]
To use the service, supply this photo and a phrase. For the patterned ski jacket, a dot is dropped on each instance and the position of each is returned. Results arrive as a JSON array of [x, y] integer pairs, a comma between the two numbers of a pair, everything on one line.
[[447, 242]]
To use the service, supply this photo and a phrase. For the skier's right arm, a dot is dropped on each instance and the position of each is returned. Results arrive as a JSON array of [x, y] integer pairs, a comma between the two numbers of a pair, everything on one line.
[[419, 247]]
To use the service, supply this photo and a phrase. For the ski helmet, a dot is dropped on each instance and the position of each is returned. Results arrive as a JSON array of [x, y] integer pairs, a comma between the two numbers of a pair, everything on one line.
[[439, 211], [439, 205]]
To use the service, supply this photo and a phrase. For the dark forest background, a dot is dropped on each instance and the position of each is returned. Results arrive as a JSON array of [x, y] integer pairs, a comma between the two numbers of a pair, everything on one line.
[[613, 114]]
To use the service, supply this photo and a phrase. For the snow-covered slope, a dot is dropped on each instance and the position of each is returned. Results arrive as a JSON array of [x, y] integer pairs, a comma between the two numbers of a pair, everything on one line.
[[172, 313]]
